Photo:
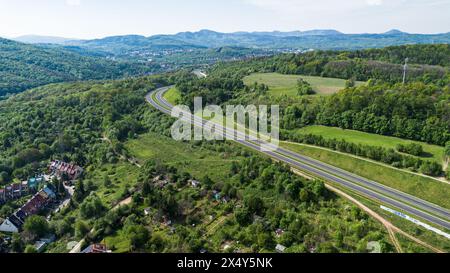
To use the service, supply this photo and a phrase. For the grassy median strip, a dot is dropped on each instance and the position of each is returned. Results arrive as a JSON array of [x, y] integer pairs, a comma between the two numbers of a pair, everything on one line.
[[422, 187]]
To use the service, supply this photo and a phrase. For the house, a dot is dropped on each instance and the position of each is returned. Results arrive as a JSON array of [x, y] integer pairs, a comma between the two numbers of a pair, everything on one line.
[[40, 246], [60, 169], [217, 195], [9, 192], [96, 249], [25, 188], [43, 243], [280, 248], [21, 215], [17, 190], [2, 196], [166, 221], [279, 232], [48, 193], [9, 227], [195, 183], [33, 183], [147, 211], [39, 201]]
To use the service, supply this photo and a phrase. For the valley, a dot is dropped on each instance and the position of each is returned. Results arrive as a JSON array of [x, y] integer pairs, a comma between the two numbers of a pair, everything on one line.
[[354, 138]]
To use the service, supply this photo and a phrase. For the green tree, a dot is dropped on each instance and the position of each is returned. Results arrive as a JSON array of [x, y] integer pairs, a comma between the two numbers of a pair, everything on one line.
[[255, 205], [447, 150], [30, 249], [431, 168], [17, 244], [36, 225], [304, 195], [350, 83], [81, 229], [138, 236], [243, 216], [92, 207], [304, 88]]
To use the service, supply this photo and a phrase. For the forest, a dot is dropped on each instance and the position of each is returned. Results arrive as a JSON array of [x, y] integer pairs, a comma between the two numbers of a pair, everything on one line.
[[69, 121], [257, 204], [72, 122], [27, 66], [418, 110]]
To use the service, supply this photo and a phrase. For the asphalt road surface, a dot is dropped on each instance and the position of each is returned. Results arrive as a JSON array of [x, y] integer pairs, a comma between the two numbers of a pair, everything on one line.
[[386, 195]]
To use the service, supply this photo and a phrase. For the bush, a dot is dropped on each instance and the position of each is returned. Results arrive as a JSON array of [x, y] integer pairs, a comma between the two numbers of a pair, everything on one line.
[[30, 249], [81, 229], [431, 168], [36, 225], [92, 207], [412, 149], [304, 88]]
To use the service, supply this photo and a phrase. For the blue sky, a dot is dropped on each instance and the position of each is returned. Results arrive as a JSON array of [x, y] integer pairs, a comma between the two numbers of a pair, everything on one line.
[[100, 18]]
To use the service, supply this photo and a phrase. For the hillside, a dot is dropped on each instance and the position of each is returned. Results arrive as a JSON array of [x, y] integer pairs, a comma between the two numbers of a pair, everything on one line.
[[26, 66], [37, 39], [315, 39], [122, 45]]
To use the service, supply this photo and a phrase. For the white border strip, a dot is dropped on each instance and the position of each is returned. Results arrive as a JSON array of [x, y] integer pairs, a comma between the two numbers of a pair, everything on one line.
[[417, 222]]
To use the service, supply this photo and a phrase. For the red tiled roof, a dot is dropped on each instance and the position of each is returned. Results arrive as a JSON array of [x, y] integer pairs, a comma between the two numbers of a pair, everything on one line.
[[34, 205]]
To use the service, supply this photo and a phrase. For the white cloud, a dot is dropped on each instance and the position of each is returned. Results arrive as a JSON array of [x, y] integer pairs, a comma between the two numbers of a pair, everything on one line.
[[308, 6], [374, 2], [73, 3]]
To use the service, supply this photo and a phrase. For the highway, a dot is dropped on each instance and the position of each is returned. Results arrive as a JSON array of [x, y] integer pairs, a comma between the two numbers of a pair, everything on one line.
[[383, 194]]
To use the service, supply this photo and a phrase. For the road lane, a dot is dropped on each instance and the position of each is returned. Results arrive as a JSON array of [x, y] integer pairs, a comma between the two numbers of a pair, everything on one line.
[[384, 194]]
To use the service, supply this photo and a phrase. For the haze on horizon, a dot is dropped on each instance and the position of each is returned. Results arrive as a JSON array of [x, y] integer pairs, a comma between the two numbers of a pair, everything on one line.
[[87, 19]]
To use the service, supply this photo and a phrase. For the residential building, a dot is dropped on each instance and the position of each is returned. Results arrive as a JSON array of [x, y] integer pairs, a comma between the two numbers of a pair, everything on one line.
[[2, 196], [39, 201], [17, 190], [35, 182], [280, 248], [60, 169], [8, 226], [96, 249]]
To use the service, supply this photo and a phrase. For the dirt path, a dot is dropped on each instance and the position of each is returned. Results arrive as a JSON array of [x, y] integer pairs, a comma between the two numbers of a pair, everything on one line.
[[394, 240], [216, 223], [77, 247], [123, 203], [389, 226], [133, 161]]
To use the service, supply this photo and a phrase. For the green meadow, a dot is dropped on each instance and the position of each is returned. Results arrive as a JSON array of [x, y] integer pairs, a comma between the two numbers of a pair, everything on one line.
[[432, 152], [184, 156], [280, 84], [173, 95]]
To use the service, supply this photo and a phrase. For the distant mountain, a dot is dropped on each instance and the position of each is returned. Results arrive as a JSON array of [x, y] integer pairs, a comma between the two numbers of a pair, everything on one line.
[[323, 32], [327, 39], [121, 45], [25, 66], [36, 39], [395, 32]]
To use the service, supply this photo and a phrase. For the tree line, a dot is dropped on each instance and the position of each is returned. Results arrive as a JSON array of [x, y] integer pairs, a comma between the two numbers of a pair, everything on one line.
[[387, 156]]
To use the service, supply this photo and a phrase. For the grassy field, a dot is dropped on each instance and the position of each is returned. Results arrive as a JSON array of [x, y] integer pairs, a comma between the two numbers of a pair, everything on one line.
[[433, 152], [422, 187], [199, 162], [287, 84], [172, 96], [123, 176]]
